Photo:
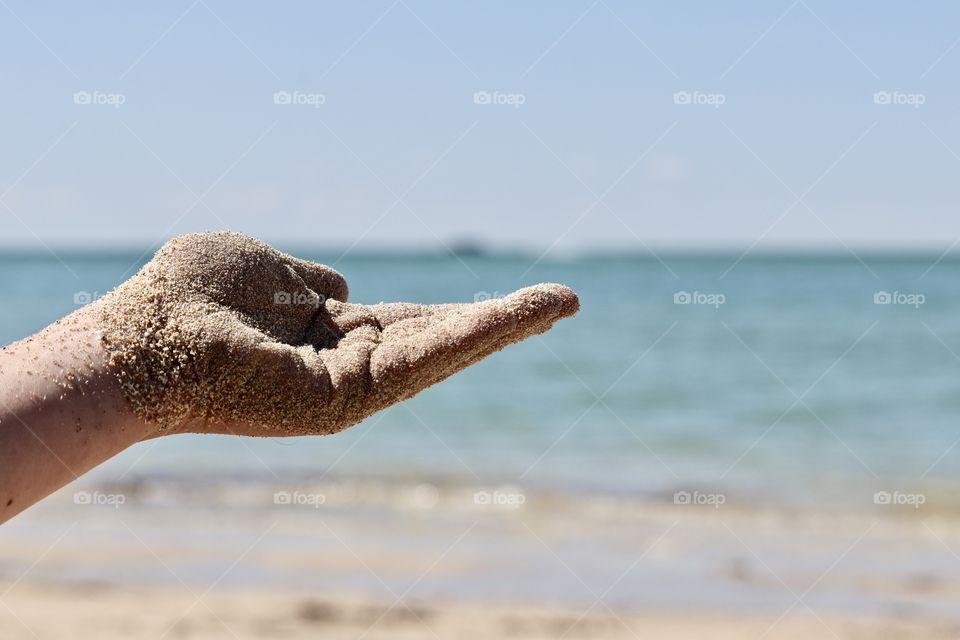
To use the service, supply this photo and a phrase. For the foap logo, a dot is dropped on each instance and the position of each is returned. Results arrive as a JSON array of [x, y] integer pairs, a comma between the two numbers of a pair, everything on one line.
[[698, 498], [504, 498], [299, 499], [699, 98], [899, 498], [699, 298], [483, 296], [297, 98], [81, 298], [515, 100], [309, 298], [99, 98], [899, 98], [98, 498], [914, 300]]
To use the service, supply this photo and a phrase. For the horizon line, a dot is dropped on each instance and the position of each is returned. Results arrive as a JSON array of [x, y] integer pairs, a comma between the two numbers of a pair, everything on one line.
[[483, 250]]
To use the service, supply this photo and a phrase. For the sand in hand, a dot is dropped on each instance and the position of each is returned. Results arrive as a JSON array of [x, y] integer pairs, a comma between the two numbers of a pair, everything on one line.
[[220, 330]]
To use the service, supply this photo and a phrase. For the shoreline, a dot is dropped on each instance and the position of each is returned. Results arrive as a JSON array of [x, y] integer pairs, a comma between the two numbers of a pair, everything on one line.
[[658, 558], [177, 612]]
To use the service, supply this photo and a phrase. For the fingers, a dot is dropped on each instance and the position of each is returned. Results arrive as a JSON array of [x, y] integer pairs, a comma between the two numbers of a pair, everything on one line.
[[385, 314], [418, 351], [542, 301], [388, 313], [245, 257], [310, 389], [321, 278]]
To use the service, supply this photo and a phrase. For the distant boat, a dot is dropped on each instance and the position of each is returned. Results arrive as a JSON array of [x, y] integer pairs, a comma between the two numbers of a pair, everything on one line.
[[467, 248]]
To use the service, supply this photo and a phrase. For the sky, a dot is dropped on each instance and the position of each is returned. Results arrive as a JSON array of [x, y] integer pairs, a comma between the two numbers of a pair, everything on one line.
[[561, 125]]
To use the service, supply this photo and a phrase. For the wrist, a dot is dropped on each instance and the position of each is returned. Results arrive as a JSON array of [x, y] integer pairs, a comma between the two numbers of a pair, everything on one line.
[[61, 412], [62, 373]]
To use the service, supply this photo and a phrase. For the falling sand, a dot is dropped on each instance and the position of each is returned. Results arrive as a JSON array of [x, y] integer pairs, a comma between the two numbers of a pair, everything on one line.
[[221, 331]]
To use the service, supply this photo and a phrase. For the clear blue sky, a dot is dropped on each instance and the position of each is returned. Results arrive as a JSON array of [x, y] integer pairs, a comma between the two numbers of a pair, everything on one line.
[[399, 153]]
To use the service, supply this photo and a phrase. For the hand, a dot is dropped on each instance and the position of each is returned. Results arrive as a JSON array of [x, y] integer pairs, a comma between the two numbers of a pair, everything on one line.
[[222, 333]]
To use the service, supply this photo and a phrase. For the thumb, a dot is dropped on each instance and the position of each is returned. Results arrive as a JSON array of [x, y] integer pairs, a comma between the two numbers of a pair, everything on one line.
[[322, 279]]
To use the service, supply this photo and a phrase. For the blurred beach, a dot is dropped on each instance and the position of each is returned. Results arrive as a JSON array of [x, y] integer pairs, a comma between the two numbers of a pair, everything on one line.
[[764, 447]]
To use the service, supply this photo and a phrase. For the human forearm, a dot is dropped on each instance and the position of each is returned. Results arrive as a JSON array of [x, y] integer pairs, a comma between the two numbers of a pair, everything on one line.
[[61, 413]]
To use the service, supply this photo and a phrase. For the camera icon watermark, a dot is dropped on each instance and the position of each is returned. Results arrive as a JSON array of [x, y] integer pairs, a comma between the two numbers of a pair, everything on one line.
[[698, 498], [295, 98], [99, 98], [515, 100], [294, 298], [98, 498], [504, 498], [899, 98], [299, 499], [483, 296], [915, 300], [899, 498], [699, 298], [699, 98], [81, 298]]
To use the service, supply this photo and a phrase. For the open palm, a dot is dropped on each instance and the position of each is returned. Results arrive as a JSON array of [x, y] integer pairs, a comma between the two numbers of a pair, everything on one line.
[[222, 333]]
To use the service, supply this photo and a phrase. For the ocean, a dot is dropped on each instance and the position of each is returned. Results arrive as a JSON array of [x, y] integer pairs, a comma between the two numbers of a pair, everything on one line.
[[813, 388]]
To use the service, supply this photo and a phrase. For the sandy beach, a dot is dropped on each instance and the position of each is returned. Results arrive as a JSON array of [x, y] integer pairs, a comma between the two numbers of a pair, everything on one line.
[[252, 567], [90, 611]]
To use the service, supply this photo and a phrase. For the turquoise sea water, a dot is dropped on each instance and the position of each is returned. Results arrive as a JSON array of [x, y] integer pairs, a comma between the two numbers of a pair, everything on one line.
[[782, 382]]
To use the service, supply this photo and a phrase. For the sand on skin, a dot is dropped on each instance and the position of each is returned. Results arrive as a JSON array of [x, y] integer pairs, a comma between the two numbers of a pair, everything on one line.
[[222, 328]]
